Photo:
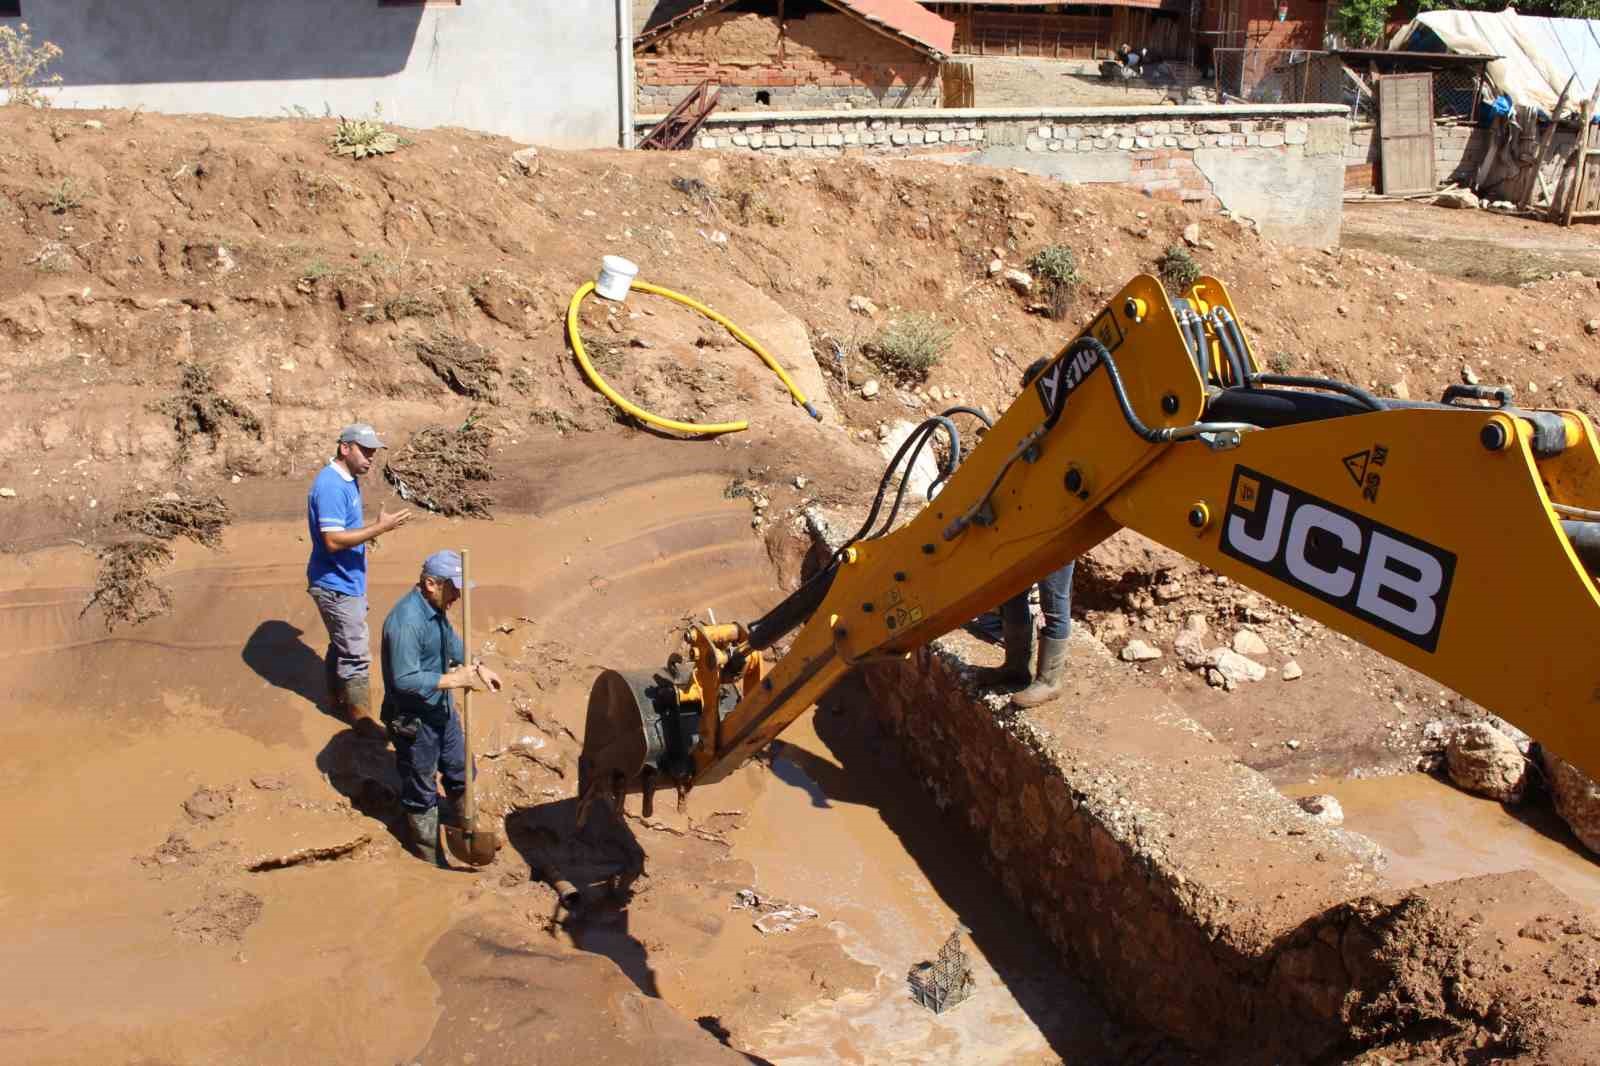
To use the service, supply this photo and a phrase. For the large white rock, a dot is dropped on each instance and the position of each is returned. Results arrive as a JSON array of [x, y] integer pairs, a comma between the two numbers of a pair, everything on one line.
[[1246, 642], [1235, 668], [922, 474], [1140, 651], [1485, 761], [1190, 643], [1577, 798]]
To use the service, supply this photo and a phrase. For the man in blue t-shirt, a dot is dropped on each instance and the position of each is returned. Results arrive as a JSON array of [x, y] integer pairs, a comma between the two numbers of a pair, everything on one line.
[[336, 576]]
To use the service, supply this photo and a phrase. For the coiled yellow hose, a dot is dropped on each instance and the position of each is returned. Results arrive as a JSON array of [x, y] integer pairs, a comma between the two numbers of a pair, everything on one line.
[[692, 428]]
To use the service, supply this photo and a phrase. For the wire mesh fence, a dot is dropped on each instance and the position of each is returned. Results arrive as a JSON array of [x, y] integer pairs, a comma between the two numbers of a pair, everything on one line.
[[1300, 76]]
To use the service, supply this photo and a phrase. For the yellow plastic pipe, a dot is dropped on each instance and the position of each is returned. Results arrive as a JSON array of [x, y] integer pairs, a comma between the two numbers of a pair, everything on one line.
[[692, 428]]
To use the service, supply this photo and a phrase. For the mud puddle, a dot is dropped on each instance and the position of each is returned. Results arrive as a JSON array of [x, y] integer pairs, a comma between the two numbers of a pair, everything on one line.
[[1432, 832]]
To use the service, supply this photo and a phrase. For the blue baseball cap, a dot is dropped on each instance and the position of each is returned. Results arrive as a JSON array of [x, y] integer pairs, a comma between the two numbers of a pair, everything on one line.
[[445, 565]]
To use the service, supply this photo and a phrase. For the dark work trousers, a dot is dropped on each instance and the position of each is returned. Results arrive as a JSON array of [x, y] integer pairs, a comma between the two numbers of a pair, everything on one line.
[[436, 748], [1055, 603]]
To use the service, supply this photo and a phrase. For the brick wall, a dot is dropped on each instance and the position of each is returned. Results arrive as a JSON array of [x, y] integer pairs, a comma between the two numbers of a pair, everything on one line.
[[820, 62]]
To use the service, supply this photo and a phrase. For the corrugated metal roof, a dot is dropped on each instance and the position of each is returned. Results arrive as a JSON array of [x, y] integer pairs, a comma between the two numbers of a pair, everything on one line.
[[905, 19]]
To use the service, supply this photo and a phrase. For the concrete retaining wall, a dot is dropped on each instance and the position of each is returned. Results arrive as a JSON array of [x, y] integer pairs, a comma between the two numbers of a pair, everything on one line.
[[1282, 166], [541, 73]]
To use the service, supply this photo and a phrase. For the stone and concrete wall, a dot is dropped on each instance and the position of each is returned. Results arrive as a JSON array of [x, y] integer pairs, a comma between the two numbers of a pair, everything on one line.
[[1457, 151], [820, 62], [1280, 165], [542, 73]]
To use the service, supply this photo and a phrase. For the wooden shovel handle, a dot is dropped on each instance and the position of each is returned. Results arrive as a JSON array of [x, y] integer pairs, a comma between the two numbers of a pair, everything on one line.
[[469, 812]]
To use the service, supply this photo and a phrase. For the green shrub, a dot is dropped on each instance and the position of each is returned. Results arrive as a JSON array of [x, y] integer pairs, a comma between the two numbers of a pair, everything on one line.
[[1178, 269], [1057, 270], [910, 346], [359, 138]]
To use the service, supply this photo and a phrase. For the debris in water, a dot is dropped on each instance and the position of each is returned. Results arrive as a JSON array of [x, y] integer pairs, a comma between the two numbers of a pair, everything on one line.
[[305, 855], [947, 980], [776, 916]]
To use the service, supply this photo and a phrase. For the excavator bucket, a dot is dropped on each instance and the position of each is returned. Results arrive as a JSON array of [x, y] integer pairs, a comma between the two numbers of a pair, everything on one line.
[[620, 734]]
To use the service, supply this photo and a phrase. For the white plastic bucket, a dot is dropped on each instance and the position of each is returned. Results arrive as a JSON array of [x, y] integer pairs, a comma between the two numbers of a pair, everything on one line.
[[616, 277]]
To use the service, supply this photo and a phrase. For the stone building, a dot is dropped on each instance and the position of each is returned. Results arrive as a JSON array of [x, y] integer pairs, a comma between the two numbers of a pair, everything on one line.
[[790, 54]]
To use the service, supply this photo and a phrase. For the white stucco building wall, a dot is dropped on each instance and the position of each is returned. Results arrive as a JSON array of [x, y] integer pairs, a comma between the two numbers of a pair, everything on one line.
[[540, 71]]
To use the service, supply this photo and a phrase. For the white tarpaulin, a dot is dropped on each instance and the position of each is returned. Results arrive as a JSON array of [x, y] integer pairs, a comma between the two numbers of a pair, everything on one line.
[[1538, 55]]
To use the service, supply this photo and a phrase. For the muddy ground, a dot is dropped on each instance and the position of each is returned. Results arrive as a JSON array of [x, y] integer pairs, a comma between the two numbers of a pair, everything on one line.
[[214, 867]]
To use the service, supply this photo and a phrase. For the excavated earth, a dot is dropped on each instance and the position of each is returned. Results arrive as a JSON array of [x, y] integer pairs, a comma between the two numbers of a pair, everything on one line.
[[209, 866]]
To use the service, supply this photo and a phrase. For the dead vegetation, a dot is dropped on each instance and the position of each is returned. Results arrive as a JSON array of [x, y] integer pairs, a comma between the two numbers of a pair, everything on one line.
[[438, 468], [468, 368], [198, 410], [125, 590]]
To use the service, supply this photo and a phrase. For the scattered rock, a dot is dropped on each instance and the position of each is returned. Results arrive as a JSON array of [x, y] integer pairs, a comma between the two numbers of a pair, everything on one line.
[[1138, 651], [1190, 643], [1234, 668], [799, 481], [863, 306], [1577, 798], [1400, 297], [1592, 326], [1020, 280], [1191, 235], [527, 160], [870, 389], [1247, 643], [8, 494], [208, 803], [1292, 745], [270, 782], [1485, 761], [1457, 198], [1538, 346], [1324, 809], [1401, 390], [93, 124], [1292, 671], [995, 266], [1468, 377]]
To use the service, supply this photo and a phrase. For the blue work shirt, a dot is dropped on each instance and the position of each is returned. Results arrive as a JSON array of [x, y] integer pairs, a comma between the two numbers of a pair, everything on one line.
[[419, 644], [334, 505]]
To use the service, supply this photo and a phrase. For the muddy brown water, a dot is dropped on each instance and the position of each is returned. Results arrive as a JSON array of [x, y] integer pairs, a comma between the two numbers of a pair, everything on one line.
[[120, 945], [1431, 831]]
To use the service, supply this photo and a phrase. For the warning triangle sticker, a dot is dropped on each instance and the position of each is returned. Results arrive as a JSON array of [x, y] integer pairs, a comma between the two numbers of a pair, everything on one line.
[[1357, 465]]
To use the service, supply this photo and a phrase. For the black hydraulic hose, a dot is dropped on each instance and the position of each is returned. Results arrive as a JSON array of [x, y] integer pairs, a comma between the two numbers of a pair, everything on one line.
[[1129, 415], [794, 609], [962, 409], [925, 432], [1585, 538], [1355, 392], [1237, 363]]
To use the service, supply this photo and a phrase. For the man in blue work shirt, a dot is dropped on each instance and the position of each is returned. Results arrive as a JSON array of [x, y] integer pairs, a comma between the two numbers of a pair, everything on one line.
[[423, 659], [336, 575]]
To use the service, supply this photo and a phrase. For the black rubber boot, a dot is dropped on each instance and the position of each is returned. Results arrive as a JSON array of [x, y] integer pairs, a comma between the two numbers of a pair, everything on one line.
[[425, 835], [336, 697], [1014, 673], [1047, 683]]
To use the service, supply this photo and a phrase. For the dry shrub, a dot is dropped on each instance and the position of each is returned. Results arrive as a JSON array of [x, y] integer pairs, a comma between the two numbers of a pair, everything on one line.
[[1178, 269], [198, 410], [910, 346], [124, 590], [201, 518], [438, 466], [22, 65], [469, 369]]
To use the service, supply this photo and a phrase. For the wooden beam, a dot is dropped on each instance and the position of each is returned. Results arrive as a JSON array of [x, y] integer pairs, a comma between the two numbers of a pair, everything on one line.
[[1543, 153]]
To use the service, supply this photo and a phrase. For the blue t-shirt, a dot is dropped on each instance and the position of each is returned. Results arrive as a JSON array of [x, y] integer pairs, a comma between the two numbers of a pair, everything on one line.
[[332, 505]]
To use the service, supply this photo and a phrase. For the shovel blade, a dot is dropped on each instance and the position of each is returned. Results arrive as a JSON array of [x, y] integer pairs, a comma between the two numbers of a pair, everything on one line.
[[475, 846]]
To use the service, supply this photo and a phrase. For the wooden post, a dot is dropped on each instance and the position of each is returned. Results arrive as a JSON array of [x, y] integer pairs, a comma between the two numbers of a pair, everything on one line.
[[780, 33], [1581, 156], [1543, 153]]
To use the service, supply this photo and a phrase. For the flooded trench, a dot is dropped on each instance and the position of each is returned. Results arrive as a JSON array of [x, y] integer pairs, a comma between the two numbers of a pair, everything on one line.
[[135, 931]]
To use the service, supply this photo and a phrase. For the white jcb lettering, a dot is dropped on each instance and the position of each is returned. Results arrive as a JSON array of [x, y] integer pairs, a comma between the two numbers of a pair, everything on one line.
[[1337, 581], [1378, 575], [1262, 548]]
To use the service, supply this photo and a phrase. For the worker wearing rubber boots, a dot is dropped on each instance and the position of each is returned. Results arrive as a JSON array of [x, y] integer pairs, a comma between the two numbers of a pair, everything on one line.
[[336, 574], [1017, 629], [423, 660]]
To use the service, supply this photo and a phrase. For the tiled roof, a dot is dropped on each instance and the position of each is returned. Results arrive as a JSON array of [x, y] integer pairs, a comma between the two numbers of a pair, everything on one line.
[[906, 20]]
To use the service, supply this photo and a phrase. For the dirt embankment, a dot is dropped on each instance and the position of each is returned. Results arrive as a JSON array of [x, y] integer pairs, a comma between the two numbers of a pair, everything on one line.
[[193, 306]]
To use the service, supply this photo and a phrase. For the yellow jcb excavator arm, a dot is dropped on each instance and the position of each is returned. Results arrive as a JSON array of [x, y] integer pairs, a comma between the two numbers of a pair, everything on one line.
[[1460, 538]]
